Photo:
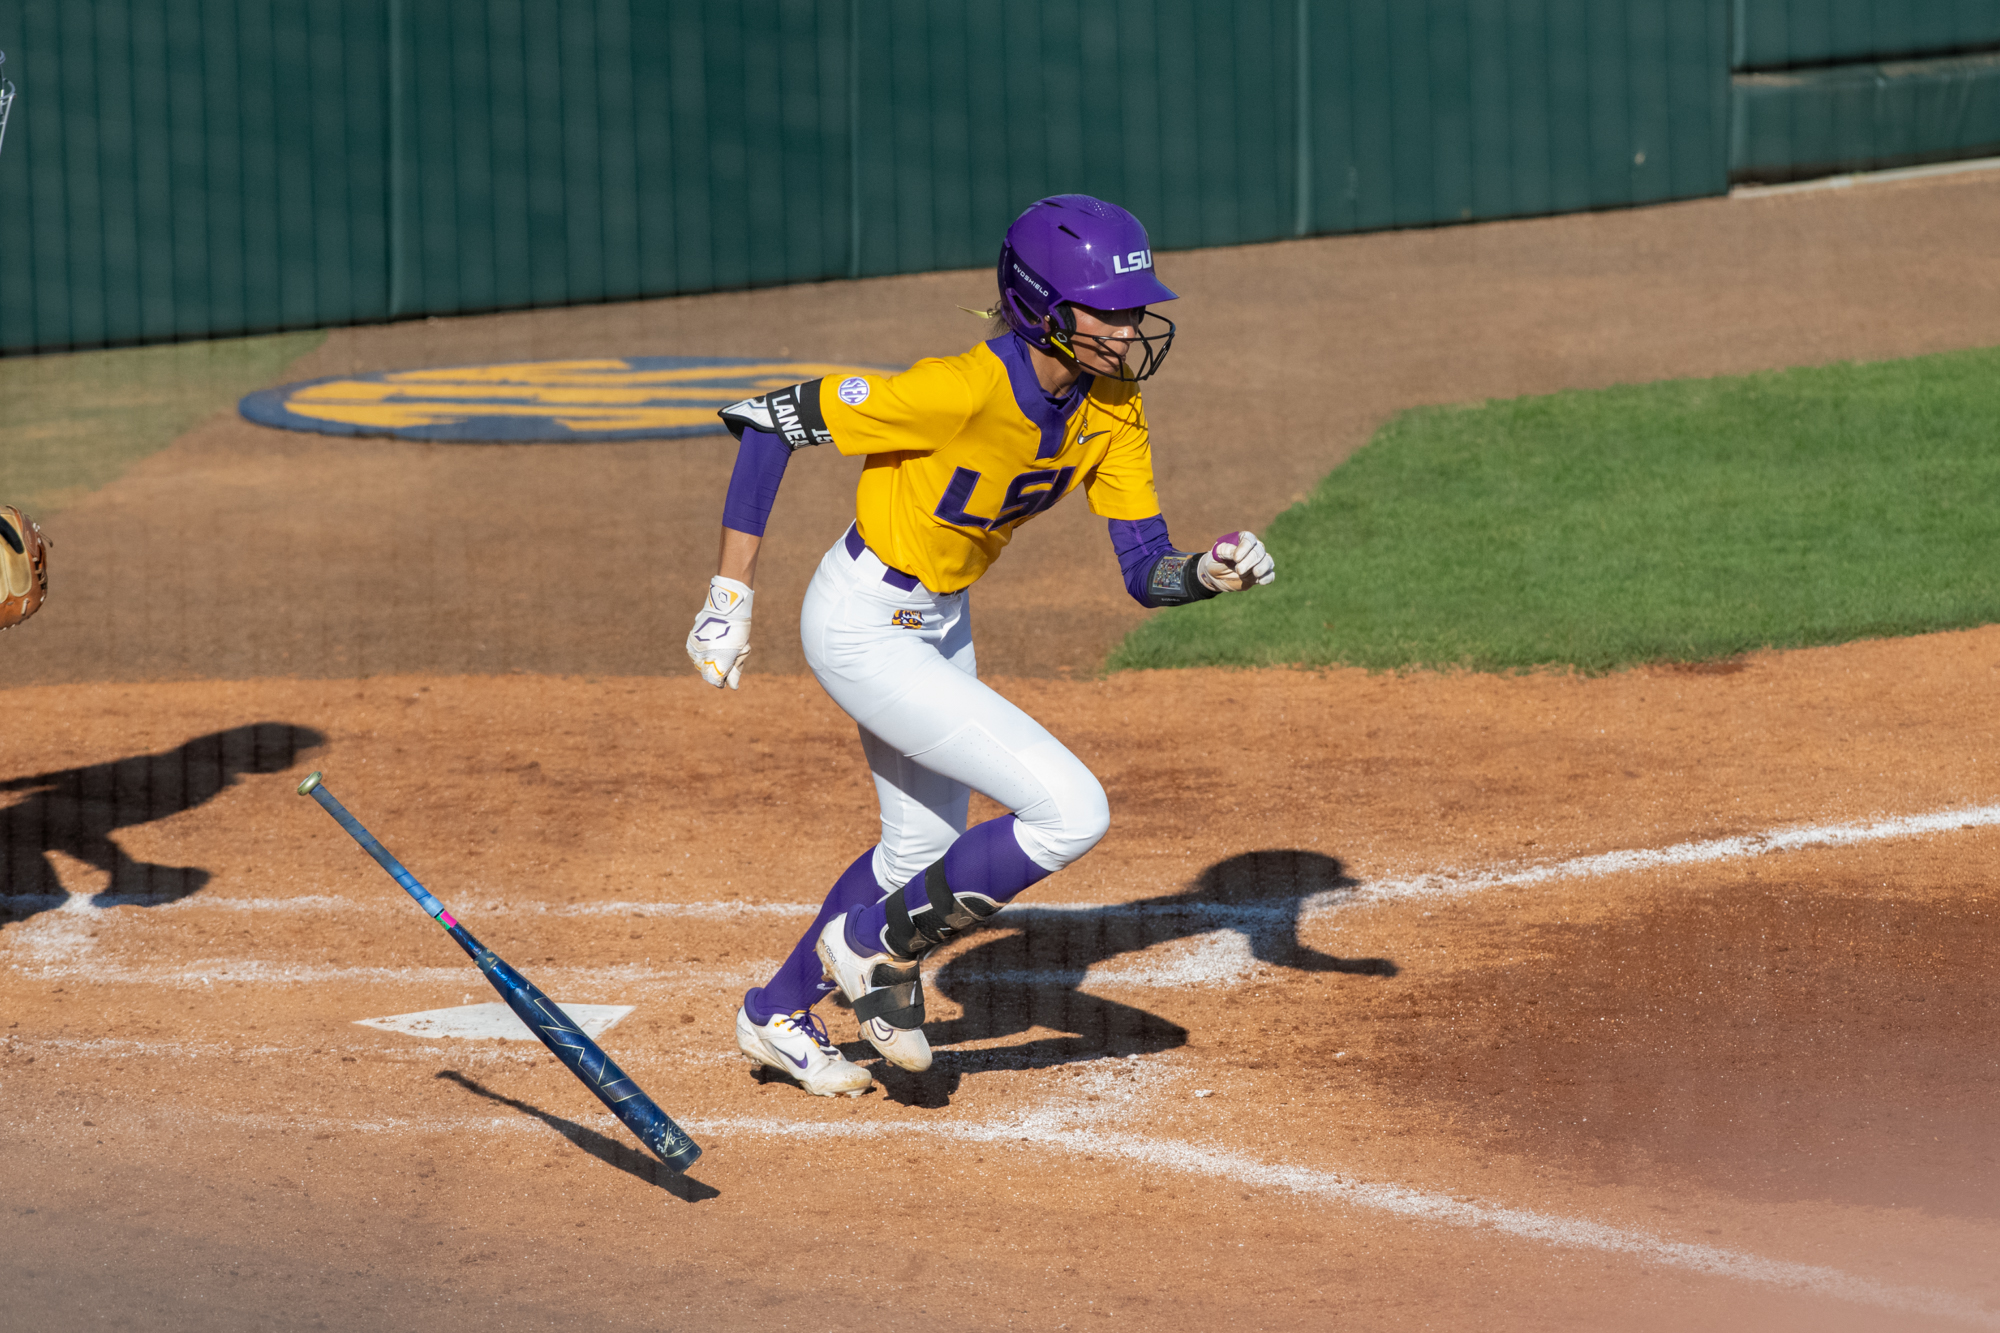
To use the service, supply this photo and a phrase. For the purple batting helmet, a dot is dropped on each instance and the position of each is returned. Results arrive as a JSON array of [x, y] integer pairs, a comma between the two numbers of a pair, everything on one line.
[[1069, 250]]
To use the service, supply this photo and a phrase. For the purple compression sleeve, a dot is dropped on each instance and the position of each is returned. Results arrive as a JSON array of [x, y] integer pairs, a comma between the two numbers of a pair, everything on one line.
[[987, 859], [1139, 542], [760, 466]]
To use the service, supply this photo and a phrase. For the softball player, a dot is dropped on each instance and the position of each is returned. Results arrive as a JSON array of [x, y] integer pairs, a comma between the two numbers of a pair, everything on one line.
[[961, 451]]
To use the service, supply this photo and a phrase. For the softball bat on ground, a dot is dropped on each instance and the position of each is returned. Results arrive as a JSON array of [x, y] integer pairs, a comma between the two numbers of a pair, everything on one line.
[[626, 1099]]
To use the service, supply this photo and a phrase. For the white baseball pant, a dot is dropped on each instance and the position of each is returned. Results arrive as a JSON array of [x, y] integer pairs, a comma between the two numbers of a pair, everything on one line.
[[900, 662]]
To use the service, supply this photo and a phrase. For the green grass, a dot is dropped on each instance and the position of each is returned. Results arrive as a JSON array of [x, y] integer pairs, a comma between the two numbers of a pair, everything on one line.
[[1688, 520], [71, 423]]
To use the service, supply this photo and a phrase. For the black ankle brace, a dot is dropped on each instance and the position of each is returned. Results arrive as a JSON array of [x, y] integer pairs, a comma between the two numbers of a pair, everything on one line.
[[947, 916]]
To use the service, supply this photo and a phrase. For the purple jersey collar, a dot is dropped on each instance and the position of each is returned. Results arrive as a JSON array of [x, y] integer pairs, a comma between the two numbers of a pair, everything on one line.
[[1049, 418]]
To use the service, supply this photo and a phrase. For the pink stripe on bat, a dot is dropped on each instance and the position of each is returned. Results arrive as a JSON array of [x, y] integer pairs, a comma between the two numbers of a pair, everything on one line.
[[445, 917]]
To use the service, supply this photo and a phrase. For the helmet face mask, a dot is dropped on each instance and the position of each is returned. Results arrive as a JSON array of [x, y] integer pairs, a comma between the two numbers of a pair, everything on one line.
[[1152, 341], [1071, 250]]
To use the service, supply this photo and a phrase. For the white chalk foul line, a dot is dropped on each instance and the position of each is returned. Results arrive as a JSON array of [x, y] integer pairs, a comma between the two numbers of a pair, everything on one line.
[[417, 1050], [1420, 1205], [320, 902], [1433, 883], [207, 972], [1215, 955], [1448, 883]]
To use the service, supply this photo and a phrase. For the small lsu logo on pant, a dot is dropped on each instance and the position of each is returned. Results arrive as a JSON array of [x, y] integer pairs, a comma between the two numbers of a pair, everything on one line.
[[907, 620]]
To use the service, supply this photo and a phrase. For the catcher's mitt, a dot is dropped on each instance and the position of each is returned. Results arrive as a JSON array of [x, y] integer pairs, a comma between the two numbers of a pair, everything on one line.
[[24, 567]]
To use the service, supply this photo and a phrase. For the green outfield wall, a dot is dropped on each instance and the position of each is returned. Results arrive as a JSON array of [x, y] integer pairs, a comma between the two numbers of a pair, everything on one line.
[[1825, 86], [183, 168], [192, 168], [1784, 34]]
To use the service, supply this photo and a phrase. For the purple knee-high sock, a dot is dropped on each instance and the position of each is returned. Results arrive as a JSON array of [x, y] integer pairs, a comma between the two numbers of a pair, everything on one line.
[[987, 860], [799, 984]]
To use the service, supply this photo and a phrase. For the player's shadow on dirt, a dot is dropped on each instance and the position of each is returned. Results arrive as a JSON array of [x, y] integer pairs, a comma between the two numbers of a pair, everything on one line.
[[77, 810], [632, 1161], [1030, 975]]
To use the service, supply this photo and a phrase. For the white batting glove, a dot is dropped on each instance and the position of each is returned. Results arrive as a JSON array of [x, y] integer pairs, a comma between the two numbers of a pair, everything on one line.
[[720, 639], [1236, 561]]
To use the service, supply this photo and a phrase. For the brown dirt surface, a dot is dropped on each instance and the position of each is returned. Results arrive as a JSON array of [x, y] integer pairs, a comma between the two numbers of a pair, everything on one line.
[[1274, 1054], [1425, 1000]]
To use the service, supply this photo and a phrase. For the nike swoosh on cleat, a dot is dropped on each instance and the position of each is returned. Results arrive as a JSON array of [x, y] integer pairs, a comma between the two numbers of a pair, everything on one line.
[[788, 1055]]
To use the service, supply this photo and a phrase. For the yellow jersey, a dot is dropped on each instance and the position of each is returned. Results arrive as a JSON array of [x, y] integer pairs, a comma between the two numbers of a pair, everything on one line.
[[962, 450]]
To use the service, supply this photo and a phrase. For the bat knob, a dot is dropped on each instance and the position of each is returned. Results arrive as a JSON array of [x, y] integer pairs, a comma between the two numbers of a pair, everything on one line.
[[674, 1148], [312, 780]]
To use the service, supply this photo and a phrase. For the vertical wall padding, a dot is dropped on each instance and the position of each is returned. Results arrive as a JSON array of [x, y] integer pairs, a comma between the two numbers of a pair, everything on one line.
[[189, 168], [1823, 86], [1857, 117], [1783, 34], [1427, 112], [180, 170]]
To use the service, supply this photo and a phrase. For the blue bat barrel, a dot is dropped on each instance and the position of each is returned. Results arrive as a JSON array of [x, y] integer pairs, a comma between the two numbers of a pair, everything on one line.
[[587, 1060]]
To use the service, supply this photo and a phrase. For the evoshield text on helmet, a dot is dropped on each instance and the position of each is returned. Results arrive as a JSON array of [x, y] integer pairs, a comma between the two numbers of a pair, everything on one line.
[[1073, 250]]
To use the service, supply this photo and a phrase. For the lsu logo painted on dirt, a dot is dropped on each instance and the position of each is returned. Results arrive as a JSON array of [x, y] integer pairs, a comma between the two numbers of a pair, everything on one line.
[[907, 620], [613, 398]]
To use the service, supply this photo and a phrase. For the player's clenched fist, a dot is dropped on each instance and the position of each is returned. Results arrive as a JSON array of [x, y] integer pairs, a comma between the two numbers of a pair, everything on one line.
[[720, 639], [1236, 561]]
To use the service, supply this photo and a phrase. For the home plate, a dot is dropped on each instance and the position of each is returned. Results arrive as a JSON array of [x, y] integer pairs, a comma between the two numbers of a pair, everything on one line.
[[494, 1020]]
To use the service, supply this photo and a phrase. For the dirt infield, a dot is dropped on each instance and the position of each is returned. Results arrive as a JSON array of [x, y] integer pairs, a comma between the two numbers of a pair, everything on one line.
[[1657, 1000], [1435, 1098]]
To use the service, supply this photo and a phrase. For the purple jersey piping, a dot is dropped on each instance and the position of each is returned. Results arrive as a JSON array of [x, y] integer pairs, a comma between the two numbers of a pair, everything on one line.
[[1051, 418]]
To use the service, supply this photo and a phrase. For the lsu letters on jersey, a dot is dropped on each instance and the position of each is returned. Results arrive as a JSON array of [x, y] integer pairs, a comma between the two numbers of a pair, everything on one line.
[[962, 450]]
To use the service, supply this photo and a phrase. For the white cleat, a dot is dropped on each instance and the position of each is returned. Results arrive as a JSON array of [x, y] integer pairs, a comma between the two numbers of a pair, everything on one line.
[[796, 1045], [887, 994]]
